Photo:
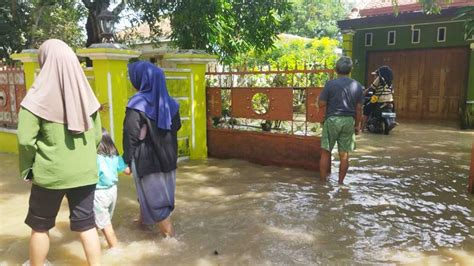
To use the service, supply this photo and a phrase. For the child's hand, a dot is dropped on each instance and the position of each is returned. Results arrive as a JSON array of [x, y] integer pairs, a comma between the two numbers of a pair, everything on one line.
[[127, 171]]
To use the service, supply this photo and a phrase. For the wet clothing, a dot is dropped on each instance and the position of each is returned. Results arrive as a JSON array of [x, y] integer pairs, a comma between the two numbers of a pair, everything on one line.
[[106, 190], [109, 167], [150, 82], [342, 95], [44, 205], [157, 152], [156, 195], [58, 158], [150, 141], [340, 130], [153, 157], [104, 206]]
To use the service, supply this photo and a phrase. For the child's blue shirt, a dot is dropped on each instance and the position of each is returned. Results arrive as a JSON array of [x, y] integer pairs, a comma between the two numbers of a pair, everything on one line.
[[109, 167]]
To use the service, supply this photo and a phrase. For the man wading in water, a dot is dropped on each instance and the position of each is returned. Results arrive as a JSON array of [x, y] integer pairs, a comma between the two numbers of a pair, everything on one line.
[[343, 99]]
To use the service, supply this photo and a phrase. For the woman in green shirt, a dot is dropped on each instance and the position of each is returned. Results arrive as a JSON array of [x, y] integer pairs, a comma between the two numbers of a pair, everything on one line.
[[58, 132]]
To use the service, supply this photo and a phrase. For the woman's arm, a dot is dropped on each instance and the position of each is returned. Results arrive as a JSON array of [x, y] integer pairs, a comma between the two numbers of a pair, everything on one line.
[[176, 123], [97, 128], [28, 128], [131, 133]]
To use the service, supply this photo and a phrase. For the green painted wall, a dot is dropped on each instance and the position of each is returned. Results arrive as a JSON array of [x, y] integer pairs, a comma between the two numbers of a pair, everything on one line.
[[467, 119], [470, 82], [428, 39]]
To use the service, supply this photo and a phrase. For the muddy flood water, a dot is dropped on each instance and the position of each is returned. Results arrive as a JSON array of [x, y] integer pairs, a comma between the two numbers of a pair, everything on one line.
[[404, 202]]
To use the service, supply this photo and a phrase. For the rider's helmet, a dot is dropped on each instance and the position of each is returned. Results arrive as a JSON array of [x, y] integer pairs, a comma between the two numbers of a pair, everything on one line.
[[385, 74]]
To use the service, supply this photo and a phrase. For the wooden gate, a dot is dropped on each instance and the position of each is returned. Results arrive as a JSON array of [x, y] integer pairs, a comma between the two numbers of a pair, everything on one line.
[[12, 91], [266, 116], [428, 83]]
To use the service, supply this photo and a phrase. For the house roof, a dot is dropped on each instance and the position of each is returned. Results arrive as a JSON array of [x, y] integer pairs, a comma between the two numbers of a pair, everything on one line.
[[384, 7], [142, 32], [405, 18]]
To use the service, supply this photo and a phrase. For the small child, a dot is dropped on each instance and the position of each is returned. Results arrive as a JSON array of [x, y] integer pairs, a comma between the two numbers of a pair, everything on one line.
[[109, 164]]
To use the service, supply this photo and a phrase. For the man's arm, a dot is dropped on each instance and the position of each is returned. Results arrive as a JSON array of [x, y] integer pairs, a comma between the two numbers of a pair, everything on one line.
[[320, 104], [321, 101], [358, 118]]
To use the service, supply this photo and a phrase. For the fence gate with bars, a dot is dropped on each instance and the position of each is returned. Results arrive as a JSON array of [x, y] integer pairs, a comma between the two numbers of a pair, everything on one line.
[[12, 90], [266, 116]]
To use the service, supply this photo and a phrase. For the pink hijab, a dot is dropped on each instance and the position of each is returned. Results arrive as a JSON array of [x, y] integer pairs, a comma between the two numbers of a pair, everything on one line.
[[61, 92]]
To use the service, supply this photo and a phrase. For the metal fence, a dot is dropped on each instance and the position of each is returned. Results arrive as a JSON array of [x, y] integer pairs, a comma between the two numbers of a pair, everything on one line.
[[268, 116], [12, 91], [274, 100]]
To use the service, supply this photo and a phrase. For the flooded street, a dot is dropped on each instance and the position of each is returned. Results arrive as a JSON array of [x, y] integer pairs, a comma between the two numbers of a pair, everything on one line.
[[404, 201]]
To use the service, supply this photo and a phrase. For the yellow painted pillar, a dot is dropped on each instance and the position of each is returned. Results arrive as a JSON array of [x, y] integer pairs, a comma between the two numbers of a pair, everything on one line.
[[347, 39], [29, 58], [197, 63], [111, 86]]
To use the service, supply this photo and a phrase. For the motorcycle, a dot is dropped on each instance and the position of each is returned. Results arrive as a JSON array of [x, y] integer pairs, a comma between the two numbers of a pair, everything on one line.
[[382, 118]]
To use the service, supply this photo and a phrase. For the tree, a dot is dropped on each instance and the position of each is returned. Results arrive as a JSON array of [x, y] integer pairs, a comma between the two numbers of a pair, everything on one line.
[[56, 19], [317, 18], [26, 24], [223, 27], [13, 27]]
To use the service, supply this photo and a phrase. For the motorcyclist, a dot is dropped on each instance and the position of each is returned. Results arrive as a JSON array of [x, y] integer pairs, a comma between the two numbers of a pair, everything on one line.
[[379, 92]]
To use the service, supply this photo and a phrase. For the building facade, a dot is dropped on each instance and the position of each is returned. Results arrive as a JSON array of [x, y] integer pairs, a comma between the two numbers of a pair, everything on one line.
[[431, 56]]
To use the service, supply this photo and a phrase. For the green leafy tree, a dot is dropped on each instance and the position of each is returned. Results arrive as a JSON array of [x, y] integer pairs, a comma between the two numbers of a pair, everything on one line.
[[317, 18], [56, 19], [223, 27], [13, 28], [290, 52], [26, 24]]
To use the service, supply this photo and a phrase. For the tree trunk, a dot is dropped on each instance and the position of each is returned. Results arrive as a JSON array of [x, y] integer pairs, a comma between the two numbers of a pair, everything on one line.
[[92, 28]]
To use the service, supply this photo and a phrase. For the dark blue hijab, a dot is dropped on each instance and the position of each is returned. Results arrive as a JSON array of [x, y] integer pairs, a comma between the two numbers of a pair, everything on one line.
[[152, 97]]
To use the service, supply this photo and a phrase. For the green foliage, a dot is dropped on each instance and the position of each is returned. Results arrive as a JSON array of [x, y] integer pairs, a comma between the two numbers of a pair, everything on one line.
[[59, 20], [290, 51], [260, 103], [431, 6], [26, 24], [13, 28], [467, 14], [317, 18], [223, 27]]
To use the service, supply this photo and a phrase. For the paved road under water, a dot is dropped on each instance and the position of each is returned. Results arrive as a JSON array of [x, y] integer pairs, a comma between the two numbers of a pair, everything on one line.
[[404, 201]]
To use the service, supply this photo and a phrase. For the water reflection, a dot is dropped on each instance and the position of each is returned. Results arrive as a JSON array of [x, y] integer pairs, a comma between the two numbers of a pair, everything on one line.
[[404, 201]]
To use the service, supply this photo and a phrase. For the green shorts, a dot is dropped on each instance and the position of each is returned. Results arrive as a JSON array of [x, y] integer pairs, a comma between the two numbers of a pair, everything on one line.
[[338, 129]]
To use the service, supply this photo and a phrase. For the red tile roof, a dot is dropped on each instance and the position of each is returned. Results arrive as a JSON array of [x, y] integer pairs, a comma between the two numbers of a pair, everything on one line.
[[383, 7]]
